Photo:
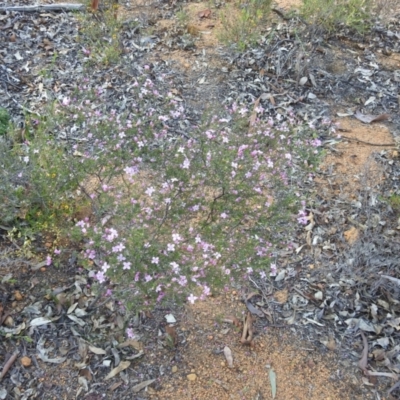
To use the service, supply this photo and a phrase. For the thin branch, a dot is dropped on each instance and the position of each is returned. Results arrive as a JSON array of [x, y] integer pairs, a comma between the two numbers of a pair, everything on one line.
[[46, 7], [8, 364]]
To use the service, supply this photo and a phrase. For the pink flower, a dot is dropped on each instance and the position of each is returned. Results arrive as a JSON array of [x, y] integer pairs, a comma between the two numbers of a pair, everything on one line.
[[127, 265], [100, 277], [170, 247], [130, 333], [150, 191], [192, 298], [56, 251], [48, 260]]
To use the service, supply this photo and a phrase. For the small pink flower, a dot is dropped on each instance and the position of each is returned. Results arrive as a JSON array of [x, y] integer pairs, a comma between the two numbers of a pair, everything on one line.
[[100, 277], [192, 298], [130, 333], [48, 260], [127, 265]]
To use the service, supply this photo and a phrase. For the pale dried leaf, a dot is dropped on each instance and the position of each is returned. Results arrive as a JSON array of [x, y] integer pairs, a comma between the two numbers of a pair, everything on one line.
[[142, 385], [272, 380], [368, 119], [97, 350], [121, 367], [254, 310]]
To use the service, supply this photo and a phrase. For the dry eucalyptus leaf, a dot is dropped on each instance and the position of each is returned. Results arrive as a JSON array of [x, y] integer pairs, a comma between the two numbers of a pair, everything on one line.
[[272, 380], [228, 356], [142, 385], [330, 344], [40, 321], [83, 382], [97, 350], [121, 367], [369, 119], [131, 342], [303, 80], [254, 310], [204, 14]]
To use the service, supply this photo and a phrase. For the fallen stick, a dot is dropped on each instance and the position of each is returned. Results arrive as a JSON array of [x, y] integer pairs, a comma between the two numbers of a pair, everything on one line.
[[46, 7], [363, 363], [8, 364]]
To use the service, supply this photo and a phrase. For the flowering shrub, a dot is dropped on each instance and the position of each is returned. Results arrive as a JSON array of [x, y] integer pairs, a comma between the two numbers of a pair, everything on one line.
[[176, 209]]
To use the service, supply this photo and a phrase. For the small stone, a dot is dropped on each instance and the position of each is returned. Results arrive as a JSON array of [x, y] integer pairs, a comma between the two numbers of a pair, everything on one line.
[[192, 377], [174, 369], [25, 361], [18, 296], [9, 321], [222, 363], [210, 337]]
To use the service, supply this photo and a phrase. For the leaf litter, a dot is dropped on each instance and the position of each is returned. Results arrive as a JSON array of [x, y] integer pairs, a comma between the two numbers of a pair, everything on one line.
[[336, 285]]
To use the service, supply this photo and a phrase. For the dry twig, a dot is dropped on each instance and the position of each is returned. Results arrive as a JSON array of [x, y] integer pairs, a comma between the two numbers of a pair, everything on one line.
[[8, 364]]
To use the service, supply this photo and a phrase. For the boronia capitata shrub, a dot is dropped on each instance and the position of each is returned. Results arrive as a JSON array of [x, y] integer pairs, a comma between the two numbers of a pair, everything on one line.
[[176, 209]]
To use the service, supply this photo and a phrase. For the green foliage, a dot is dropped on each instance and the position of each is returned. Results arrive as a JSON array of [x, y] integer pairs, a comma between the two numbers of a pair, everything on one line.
[[394, 201], [328, 14], [243, 22], [169, 215], [101, 37], [4, 121]]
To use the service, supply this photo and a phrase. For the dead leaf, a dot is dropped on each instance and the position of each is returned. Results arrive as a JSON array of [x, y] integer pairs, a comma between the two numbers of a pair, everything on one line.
[[369, 119], [254, 310], [253, 115], [272, 380], [351, 235], [204, 14], [233, 320], [330, 344], [251, 295], [171, 332], [281, 296], [85, 372], [116, 385], [131, 342], [42, 353], [228, 356], [97, 350], [142, 385], [122, 366]]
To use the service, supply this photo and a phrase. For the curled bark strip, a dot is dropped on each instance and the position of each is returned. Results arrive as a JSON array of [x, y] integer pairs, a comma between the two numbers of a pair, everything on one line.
[[8, 364], [363, 363], [247, 335]]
